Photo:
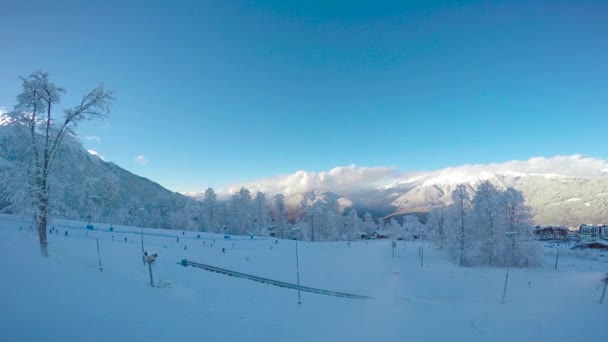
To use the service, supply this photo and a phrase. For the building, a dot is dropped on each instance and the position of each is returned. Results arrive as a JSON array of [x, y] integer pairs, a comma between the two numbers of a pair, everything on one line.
[[603, 245], [551, 232], [591, 230], [380, 234]]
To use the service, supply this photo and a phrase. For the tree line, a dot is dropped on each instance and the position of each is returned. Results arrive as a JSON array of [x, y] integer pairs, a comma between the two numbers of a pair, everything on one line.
[[493, 227]]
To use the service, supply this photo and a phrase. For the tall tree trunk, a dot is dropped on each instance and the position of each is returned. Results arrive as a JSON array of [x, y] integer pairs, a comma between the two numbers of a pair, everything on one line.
[[42, 221], [462, 237]]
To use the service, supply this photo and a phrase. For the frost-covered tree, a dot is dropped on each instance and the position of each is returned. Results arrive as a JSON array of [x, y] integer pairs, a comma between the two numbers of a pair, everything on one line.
[[240, 217], [489, 227], [411, 227], [36, 116], [280, 214], [368, 225], [436, 225], [458, 225], [352, 225], [525, 251], [475, 231], [209, 211], [261, 217]]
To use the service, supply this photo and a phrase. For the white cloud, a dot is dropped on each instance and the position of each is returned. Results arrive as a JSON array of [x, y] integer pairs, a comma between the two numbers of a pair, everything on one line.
[[352, 178], [141, 159], [343, 179], [95, 153], [559, 166], [94, 138]]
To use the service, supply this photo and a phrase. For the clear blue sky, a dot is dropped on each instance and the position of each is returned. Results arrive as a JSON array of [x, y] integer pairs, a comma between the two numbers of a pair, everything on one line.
[[218, 92]]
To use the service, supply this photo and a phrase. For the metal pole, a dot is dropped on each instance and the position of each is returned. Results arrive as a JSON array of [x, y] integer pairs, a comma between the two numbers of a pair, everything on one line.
[[312, 228], [422, 252], [504, 291], [150, 269], [604, 292], [143, 258], [99, 256], [298, 272], [556, 257]]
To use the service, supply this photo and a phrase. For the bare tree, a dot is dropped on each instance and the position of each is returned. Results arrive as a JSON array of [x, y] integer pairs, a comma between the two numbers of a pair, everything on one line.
[[35, 114]]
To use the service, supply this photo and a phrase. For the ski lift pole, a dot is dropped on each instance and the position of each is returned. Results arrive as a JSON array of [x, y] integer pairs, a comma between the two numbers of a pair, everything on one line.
[[99, 257], [150, 259], [605, 281], [504, 290], [422, 251], [143, 257], [295, 232], [298, 272]]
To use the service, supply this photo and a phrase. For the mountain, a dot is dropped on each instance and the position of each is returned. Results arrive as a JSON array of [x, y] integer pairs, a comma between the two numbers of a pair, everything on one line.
[[84, 184], [561, 200], [565, 190]]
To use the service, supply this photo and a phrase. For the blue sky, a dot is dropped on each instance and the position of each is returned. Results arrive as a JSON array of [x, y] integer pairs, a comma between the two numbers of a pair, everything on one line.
[[221, 92]]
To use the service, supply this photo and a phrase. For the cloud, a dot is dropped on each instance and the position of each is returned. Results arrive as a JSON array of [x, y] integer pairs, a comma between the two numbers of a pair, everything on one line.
[[95, 153], [141, 159], [352, 178], [94, 138], [559, 166], [343, 179]]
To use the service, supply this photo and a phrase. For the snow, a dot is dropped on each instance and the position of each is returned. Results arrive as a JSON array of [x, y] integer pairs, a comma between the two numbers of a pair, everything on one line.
[[4, 162], [66, 297]]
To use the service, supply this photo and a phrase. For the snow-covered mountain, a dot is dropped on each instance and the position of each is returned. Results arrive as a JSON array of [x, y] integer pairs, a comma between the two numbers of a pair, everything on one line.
[[554, 200], [567, 190], [85, 184]]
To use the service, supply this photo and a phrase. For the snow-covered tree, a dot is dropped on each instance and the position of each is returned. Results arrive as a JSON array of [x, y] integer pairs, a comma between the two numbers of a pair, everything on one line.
[[261, 217], [494, 228], [411, 227], [489, 227], [368, 226], [35, 115], [436, 225], [209, 215], [352, 225], [280, 214], [458, 225], [525, 251]]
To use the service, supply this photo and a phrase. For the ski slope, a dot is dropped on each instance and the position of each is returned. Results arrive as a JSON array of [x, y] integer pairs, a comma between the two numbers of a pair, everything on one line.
[[67, 298]]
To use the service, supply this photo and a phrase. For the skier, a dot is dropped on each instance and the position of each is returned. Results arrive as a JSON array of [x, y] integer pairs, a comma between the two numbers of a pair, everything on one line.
[[66, 233], [223, 250]]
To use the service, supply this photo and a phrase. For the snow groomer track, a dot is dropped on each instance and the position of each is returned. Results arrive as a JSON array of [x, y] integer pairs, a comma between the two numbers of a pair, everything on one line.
[[227, 272]]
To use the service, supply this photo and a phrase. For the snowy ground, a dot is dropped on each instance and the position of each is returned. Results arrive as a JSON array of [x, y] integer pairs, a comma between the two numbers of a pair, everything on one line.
[[66, 297]]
